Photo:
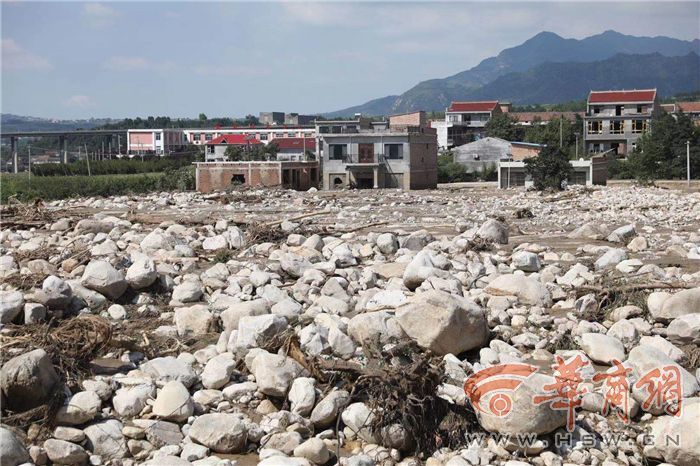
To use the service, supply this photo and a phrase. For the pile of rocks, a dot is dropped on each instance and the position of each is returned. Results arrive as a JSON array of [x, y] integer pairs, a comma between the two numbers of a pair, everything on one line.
[[339, 294]]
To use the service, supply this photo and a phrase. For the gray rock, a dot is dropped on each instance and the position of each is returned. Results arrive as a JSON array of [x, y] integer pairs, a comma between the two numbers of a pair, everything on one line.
[[444, 323], [424, 265], [222, 433], [611, 258], [34, 313], [314, 450], [81, 408], [142, 273], [601, 348], [387, 243], [526, 261], [233, 314], [302, 395], [62, 452], [100, 276], [218, 370], [378, 326], [187, 292], [257, 331], [527, 289], [11, 304], [327, 410], [169, 368], [194, 321], [676, 439], [494, 230], [680, 304], [274, 373], [622, 234], [685, 330], [105, 438], [28, 380], [55, 293], [12, 452], [173, 402]]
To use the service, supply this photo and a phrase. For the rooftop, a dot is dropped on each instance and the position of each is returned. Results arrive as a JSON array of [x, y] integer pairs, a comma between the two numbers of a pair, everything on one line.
[[295, 143], [234, 139], [641, 95], [485, 106]]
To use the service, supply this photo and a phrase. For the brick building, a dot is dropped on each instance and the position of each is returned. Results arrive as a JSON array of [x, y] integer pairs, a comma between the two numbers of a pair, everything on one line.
[[216, 176]]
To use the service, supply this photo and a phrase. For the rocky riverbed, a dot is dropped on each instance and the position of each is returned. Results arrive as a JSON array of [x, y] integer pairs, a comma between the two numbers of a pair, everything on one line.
[[297, 328]]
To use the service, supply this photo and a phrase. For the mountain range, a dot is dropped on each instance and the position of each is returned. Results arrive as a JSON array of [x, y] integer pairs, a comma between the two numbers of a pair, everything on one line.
[[548, 68]]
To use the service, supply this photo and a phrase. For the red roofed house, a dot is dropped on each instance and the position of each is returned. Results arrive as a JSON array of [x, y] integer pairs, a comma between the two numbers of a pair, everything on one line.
[[616, 119], [295, 149], [464, 121], [692, 109], [216, 148]]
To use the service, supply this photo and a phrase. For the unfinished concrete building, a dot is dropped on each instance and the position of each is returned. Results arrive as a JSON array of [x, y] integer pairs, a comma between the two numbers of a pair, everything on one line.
[[364, 154], [217, 176]]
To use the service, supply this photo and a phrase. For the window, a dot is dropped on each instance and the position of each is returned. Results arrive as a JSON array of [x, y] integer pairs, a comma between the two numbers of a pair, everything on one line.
[[617, 127], [619, 109], [595, 127], [207, 137], [263, 136], [290, 135], [596, 110], [453, 118], [337, 151], [393, 151], [640, 108], [196, 136], [158, 136], [596, 148], [639, 126]]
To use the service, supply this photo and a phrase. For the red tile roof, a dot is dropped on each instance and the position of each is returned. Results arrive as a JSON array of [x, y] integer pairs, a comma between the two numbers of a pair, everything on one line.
[[234, 139], [687, 107], [543, 116], [295, 143], [487, 106], [601, 97]]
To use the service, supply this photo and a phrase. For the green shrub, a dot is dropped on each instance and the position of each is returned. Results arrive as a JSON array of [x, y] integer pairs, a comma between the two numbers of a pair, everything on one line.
[[549, 169], [111, 167], [62, 187]]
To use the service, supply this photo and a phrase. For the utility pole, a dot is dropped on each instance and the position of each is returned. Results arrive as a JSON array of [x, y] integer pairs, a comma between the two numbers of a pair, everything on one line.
[[576, 146], [29, 160], [561, 129], [119, 145], [687, 160], [87, 158]]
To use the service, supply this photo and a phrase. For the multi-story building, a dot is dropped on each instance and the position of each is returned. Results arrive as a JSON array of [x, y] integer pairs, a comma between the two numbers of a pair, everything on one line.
[[295, 149], [215, 150], [296, 119], [363, 154], [271, 118], [615, 120], [542, 118], [263, 134], [691, 109], [155, 141], [465, 121]]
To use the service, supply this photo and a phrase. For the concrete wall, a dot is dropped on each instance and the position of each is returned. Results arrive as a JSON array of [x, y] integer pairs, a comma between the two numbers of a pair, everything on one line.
[[423, 172], [519, 152], [214, 176], [408, 119]]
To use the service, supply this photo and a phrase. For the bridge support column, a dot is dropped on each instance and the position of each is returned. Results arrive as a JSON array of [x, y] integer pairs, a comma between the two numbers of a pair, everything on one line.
[[13, 151], [63, 147]]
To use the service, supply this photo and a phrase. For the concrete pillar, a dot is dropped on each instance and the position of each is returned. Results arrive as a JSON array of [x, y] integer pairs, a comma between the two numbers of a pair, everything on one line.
[[63, 147], [376, 177], [13, 151]]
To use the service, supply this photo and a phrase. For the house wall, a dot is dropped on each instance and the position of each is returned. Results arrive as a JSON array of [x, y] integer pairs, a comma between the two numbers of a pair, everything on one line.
[[513, 174], [408, 119], [518, 152], [214, 176], [423, 172]]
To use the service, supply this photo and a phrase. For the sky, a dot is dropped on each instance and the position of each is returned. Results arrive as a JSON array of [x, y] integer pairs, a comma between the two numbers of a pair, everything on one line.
[[128, 59]]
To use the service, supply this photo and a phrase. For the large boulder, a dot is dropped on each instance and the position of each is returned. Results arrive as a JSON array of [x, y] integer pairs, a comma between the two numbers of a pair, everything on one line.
[[55, 293], [233, 314], [170, 368], [601, 348], [193, 321], [173, 402], [11, 304], [527, 289], [100, 276], [622, 234], [28, 380], [682, 303], [424, 265], [675, 439], [611, 258], [257, 331], [12, 452], [222, 433], [81, 408], [378, 326], [494, 230], [302, 395], [644, 359], [142, 273], [62, 452], [274, 373], [685, 330], [105, 438], [444, 323], [327, 410], [525, 417]]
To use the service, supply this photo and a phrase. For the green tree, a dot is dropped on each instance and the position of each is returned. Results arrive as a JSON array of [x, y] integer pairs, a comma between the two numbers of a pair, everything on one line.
[[502, 125], [202, 117], [661, 152], [234, 154], [549, 169]]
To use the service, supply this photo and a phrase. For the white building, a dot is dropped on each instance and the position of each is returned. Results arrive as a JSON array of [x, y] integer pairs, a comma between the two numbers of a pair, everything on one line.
[[155, 141]]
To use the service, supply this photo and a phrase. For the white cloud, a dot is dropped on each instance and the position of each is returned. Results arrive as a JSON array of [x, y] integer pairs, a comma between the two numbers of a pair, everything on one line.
[[79, 101], [99, 15], [15, 57], [124, 63]]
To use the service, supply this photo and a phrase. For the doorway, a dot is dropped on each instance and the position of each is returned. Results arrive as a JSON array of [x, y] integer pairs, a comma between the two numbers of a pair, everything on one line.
[[366, 152]]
